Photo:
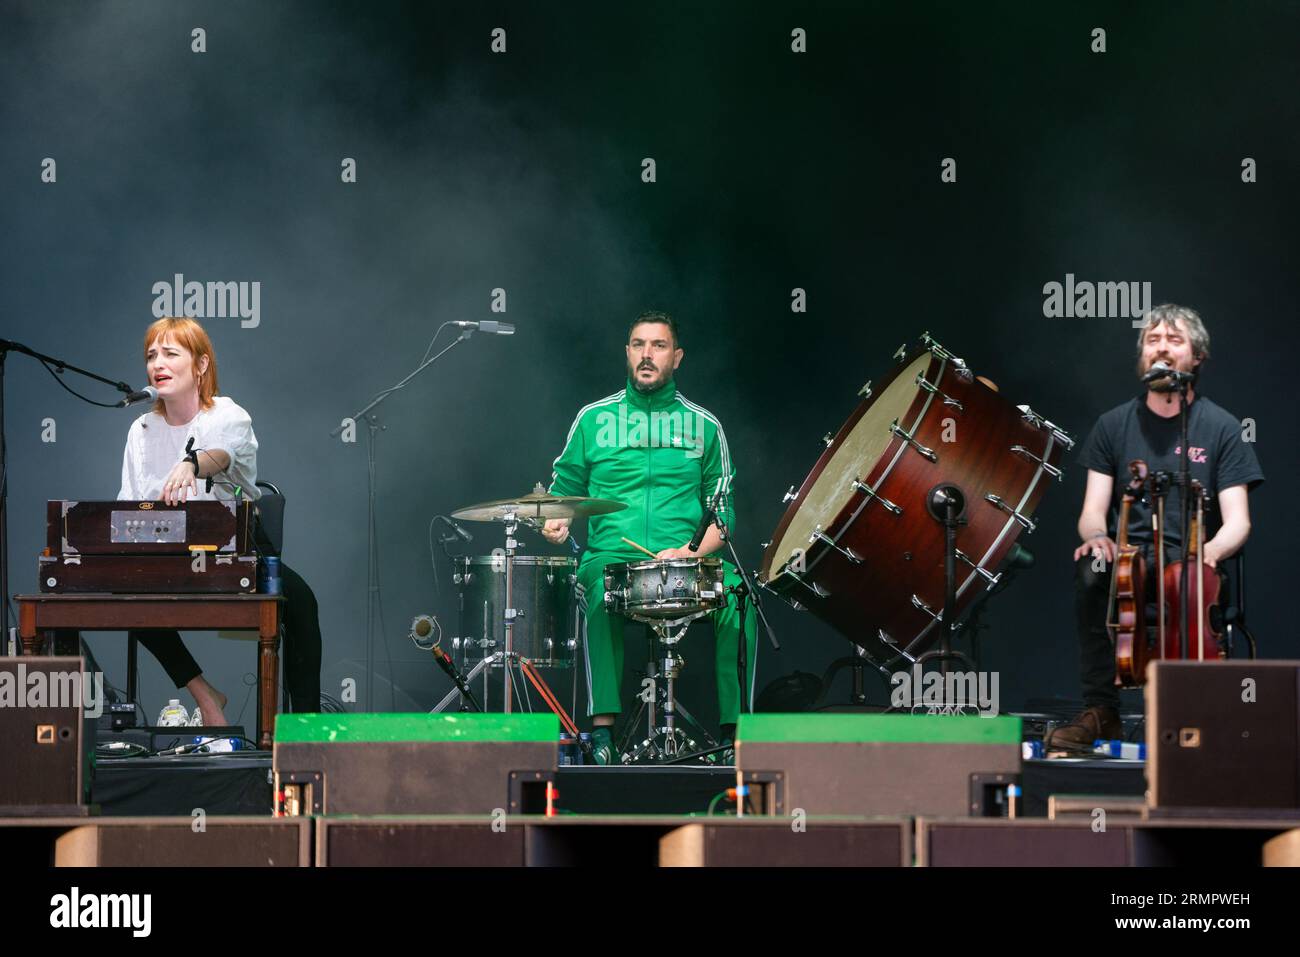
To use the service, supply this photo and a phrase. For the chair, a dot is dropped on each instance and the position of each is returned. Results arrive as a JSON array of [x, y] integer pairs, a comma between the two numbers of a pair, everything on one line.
[[1233, 606]]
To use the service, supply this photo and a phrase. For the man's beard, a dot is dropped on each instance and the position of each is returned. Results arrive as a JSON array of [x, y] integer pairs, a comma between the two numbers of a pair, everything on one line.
[[665, 375]]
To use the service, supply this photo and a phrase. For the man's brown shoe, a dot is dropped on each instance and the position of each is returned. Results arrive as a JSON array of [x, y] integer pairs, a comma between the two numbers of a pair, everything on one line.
[[1079, 734]]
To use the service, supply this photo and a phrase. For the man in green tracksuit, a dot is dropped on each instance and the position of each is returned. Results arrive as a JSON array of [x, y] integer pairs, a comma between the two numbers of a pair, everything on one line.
[[662, 455]]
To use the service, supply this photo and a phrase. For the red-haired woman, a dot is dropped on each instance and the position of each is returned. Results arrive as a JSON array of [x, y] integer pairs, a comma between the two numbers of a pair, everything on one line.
[[182, 366]]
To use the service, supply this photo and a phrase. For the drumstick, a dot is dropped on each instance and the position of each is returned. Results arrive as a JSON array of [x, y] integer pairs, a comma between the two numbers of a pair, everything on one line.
[[640, 548]]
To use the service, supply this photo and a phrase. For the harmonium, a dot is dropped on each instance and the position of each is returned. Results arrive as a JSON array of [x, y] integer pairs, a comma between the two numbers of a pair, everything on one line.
[[149, 547]]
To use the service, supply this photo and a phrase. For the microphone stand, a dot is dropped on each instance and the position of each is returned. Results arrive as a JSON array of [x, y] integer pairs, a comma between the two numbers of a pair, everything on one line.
[[946, 504], [6, 347], [1185, 506], [373, 610], [743, 592]]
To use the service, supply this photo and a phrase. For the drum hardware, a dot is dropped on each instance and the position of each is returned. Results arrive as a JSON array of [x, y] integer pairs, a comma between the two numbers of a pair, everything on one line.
[[865, 391], [908, 438], [828, 439], [870, 492], [1050, 469], [933, 389], [1027, 523], [888, 641], [856, 661], [850, 554], [918, 603], [815, 588], [979, 569], [789, 496], [666, 741], [1038, 422], [509, 661], [962, 371]]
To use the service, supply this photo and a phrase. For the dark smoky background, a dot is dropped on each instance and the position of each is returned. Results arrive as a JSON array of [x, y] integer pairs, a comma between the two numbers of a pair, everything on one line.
[[522, 171]]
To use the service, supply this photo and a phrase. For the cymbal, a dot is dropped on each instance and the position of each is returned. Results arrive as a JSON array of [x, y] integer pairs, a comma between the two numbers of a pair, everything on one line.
[[538, 507]]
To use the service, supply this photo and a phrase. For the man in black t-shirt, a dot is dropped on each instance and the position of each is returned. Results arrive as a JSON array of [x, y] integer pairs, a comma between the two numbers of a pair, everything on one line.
[[1148, 428]]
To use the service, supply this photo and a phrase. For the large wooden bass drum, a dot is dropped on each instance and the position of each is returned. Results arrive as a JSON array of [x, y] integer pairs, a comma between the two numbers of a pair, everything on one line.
[[859, 547]]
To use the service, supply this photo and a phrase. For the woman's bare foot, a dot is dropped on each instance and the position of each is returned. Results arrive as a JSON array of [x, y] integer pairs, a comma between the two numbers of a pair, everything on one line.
[[210, 701]]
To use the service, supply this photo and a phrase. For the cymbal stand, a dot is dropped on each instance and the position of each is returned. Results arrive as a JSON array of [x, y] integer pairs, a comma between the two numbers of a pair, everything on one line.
[[512, 524]]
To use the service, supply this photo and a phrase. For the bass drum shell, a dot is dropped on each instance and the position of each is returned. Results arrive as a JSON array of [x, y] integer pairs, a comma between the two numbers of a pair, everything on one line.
[[879, 580], [546, 622]]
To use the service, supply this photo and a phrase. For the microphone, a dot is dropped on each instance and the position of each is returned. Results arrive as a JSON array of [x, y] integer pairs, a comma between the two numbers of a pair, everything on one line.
[[449, 667], [460, 532], [147, 394], [1162, 371], [708, 518], [422, 627], [487, 325]]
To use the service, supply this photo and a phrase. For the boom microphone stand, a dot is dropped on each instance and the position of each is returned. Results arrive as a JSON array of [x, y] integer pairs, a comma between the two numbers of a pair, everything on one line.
[[373, 610], [6, 347], [744, 592], [1184, 380]]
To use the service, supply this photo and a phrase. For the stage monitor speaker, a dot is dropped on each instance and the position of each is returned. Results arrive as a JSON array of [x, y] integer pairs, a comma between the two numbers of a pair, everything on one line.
[[47, 715], [875, 764], [188, 841], [763, 842], [1033, 842], [409, 763], [1223, 735], [410, 842]]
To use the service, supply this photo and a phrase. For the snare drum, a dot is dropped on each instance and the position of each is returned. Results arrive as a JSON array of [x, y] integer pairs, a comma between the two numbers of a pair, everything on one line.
[[858, 546], [664, 589], [546, 618]]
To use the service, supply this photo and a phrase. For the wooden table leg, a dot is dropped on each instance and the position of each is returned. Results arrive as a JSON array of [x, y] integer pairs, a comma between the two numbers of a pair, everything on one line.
[[268, 638], [27, 627]]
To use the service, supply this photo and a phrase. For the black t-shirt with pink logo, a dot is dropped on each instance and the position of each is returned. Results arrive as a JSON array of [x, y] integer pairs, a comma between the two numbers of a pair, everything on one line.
[[1221, 458]]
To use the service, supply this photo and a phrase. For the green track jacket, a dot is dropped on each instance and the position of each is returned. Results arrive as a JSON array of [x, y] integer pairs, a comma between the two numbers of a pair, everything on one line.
[[658, 452]]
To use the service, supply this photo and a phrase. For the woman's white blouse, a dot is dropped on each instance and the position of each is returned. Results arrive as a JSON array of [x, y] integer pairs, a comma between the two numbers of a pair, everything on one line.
[[153, 448]]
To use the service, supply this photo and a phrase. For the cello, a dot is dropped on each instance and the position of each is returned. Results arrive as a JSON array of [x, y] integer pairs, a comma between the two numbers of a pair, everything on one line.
[[1126, 613]]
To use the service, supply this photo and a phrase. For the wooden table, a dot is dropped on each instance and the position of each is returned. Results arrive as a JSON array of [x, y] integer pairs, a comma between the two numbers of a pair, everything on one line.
[[40, 615]]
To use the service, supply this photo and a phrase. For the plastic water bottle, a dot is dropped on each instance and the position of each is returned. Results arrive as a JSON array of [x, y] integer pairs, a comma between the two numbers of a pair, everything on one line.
[[567, 746], [584, 746], [174, 715], [1120, 749]]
